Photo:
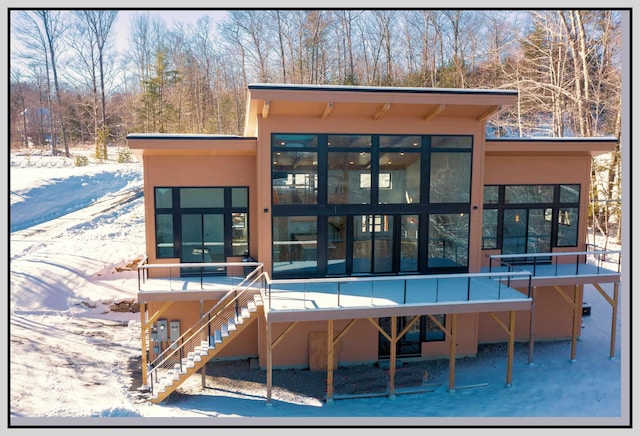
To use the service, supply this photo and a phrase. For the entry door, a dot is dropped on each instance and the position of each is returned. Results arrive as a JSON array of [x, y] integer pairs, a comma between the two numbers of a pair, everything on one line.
[[202, 241]]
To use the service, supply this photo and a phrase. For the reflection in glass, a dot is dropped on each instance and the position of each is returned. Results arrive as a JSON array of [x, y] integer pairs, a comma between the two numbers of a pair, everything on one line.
[[239, 197], [295, 177], [349, 141], [450, 178], [569, 193], [448, 240], [295, 242], [349, 178], [362, 249], [521, 194], [383, 243], [568, 227], [401, 181], [164, 235], [409, 243], [337, 245], [539, 231], [514, 231], [490, 228], [201, 197], [240, 233], [490, 194], [164, 198]]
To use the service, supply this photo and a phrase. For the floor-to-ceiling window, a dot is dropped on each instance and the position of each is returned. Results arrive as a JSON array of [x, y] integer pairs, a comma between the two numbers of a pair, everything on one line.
[[349, 204]]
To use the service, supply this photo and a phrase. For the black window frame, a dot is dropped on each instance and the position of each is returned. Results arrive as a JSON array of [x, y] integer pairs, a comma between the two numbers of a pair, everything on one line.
[[176, 212], [555, 205]]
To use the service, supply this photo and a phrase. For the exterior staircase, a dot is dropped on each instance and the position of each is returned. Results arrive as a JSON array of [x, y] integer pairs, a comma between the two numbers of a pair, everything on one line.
[[202, 342]]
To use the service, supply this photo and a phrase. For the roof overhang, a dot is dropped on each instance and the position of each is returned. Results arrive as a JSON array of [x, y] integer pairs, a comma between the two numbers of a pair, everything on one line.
[[158, 144], [550, 146], [325, 102]]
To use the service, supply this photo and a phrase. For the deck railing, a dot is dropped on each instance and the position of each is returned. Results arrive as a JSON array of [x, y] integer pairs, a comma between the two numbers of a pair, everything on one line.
[[570, 261], [495, 283], [202, 272]]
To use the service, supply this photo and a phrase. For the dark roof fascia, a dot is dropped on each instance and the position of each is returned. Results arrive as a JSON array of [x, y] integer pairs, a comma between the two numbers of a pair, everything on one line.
[[175, 136], [380, 89], [556, 139]]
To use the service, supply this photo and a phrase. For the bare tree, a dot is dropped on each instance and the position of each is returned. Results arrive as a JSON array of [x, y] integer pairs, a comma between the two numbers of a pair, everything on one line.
[[93, 30], [53, 27], [40, 32]]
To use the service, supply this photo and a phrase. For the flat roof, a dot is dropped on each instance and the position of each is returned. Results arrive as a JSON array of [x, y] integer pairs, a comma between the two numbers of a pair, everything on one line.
[[386, 89], [206, 136]]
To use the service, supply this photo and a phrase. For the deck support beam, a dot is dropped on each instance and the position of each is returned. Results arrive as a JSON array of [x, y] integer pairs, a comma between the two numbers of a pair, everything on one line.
[[614, 313], [452, 350], [330, 360], [269, 363], [511, 334], [577, 317], [143, 340], [393, 356], [532, 321]]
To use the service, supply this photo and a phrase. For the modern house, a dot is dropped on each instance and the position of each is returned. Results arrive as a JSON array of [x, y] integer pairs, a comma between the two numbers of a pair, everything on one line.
[[362, 225]]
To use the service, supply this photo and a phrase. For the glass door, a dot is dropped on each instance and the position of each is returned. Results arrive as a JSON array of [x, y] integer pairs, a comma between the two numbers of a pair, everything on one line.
[[202, 241]]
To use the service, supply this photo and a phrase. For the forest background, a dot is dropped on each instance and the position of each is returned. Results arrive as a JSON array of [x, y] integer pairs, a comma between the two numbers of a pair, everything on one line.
[[72, 81]]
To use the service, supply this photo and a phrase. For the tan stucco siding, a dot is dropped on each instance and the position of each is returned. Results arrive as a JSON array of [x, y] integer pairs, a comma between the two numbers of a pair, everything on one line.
[[198, 170]]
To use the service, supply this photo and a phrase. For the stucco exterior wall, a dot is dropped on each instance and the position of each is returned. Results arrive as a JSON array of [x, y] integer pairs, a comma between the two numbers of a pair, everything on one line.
[[198, 170], [553, 318]]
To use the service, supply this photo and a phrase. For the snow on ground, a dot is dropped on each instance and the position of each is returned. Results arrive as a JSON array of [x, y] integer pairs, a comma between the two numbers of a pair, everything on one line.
[[76, 231]]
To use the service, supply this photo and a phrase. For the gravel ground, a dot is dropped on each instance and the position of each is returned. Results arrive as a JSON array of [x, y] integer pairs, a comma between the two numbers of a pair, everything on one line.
[[244, 378]]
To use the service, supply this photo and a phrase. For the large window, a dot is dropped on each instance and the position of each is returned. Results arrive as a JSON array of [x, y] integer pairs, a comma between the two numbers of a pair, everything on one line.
[[201, 224], [530, 218], [370, 204]]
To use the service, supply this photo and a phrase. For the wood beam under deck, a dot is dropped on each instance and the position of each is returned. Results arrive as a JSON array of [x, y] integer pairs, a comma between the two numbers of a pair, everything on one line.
[[576, 314], [532, 318], [270, 347], [341, 314], [614, 313], [580, 281], [511, 332], [331, 343]]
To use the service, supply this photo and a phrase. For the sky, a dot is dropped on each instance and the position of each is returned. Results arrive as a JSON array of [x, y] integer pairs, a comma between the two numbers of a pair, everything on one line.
[[76, 231]]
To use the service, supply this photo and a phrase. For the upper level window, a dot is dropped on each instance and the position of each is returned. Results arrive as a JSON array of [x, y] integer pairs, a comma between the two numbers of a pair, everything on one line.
[[530, 218], [450, 173], [198, 215]]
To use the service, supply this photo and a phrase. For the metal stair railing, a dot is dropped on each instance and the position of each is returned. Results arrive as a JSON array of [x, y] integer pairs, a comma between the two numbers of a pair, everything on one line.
[[211, 329]]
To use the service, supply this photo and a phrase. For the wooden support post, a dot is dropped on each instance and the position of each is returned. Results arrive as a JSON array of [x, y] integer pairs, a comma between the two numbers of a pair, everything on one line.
[[577, 316], [512, 336], [614, 320], [330, 360], [532, 319], [269, 363], [143, 340], [392, 356], [452, 351]]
